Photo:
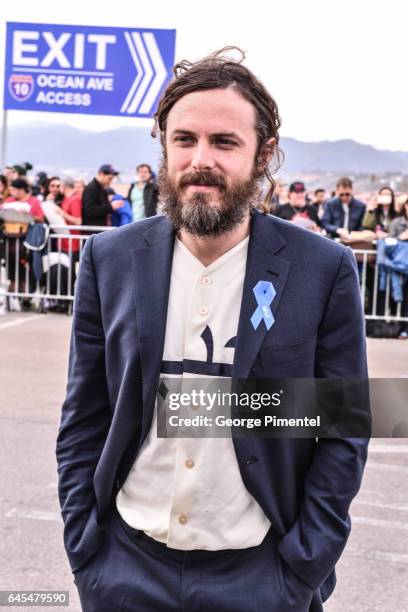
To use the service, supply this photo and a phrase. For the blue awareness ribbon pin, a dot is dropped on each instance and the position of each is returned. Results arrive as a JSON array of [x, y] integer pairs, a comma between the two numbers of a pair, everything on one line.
[[264, 293]]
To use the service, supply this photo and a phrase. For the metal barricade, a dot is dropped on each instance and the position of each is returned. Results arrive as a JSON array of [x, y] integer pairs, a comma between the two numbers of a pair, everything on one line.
[[62, 253], [60, 258], [378, 303]]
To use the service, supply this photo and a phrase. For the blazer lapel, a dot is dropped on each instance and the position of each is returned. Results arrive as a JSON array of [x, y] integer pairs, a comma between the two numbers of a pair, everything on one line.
[[262, 265], [151, 267]]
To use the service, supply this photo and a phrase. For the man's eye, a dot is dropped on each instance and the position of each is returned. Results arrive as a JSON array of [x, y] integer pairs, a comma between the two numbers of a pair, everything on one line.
[[183, 139], [225, 142]]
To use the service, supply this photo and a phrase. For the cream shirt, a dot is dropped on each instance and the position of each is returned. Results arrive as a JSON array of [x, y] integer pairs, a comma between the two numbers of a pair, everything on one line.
[[188, 492]]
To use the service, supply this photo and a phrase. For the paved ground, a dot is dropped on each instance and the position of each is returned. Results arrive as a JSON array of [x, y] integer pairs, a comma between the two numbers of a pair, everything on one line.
[[372, 574]]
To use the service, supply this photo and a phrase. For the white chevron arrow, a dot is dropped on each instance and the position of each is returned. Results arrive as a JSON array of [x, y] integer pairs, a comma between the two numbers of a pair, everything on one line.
[[143, 85], [159, 68], [148, 73], [139, 73]]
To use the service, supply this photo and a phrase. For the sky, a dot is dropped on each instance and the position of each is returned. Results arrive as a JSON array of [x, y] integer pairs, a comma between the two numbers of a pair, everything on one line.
[[337, 68]]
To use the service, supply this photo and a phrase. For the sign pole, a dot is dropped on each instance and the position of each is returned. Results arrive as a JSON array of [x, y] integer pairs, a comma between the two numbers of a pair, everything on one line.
[[3, 153]]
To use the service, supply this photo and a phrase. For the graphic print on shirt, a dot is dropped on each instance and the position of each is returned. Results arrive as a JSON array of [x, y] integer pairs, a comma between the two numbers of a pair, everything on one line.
[[205, 368]]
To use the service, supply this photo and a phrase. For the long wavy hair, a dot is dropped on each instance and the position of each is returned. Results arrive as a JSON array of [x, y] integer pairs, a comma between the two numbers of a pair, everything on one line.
[[221, 71]]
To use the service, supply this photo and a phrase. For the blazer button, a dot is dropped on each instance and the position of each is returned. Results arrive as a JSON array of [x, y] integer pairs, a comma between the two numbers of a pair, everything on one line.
[[250, 460]]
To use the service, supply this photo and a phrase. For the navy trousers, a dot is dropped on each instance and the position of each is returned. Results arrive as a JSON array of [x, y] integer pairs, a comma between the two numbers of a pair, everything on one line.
[[131, 572]]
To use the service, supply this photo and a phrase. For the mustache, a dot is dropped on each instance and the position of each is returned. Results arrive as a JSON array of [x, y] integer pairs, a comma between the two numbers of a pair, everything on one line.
[[205, 177]]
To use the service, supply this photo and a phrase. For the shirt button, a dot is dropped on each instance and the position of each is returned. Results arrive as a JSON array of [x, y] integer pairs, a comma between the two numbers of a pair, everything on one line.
[[189, 463], [206, 281], [203, 311], [182, 519]]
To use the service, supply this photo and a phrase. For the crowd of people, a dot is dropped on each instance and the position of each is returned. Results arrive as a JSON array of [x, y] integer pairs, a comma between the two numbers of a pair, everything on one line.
[[67, 200], [61, 203], [340, 215], [380, 223]]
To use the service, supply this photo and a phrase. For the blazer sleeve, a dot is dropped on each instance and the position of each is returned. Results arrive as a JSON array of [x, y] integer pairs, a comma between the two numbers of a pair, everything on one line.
[[315, 542], [360, 218], [85, 419]]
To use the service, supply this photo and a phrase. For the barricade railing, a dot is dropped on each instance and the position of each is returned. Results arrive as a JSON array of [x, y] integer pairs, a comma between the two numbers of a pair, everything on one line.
[[379, 304], [45, 275], [48, 275]]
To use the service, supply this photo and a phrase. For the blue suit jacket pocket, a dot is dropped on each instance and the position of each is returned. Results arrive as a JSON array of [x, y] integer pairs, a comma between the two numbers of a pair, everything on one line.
[[298, 351], [295, 360]]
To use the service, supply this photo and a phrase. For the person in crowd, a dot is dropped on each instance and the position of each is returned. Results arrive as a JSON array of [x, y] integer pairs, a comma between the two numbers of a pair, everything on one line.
[[279, 197], [79, 187], [143, 194], [53, 190], [20, 170], [96, 207], [398, 227], [66, 251], [344, 213], [39, 186], [380, 212], [215, 523], [52, 198], [399, 202], [20, 199], [319, 200], [4, 188], [123, 215], [71, 211], [297, 207]]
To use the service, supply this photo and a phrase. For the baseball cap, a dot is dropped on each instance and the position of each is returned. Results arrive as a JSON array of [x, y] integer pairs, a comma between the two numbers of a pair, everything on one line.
[[297, 187], [108, 169]]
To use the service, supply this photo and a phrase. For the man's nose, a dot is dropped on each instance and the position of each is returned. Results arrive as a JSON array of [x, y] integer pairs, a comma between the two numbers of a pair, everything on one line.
[[203, 158]]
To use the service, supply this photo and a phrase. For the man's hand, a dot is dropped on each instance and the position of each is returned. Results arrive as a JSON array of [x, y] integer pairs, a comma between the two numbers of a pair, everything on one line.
[[343, 232], [404, 235]]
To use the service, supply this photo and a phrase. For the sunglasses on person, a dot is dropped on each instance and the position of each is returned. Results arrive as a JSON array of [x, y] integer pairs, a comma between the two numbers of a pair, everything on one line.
[[345, 195]]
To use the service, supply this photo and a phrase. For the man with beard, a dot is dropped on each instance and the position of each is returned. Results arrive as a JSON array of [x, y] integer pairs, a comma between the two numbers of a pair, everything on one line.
[[226, 524]]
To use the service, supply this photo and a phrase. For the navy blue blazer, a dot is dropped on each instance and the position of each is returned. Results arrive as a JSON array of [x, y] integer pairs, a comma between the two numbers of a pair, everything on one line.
[[304, 486], [333, 216]]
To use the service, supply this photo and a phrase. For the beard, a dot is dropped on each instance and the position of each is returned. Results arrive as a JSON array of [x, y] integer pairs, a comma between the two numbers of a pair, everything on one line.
[[197, 214]]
